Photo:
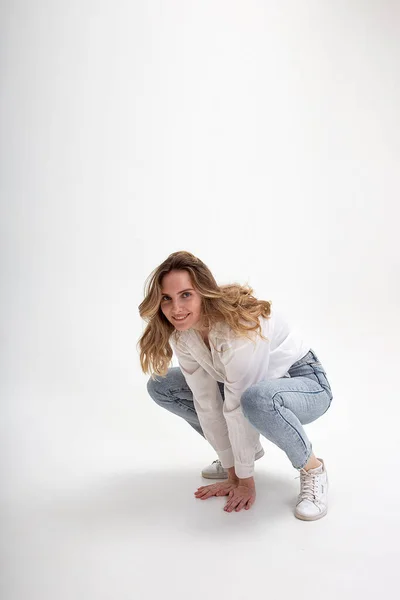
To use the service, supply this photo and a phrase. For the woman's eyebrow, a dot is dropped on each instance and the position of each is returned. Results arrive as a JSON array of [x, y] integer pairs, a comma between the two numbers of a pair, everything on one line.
[[181, 292]]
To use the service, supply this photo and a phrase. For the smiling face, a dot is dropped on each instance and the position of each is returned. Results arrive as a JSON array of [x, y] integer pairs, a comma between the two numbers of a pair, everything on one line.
[[180, 299]]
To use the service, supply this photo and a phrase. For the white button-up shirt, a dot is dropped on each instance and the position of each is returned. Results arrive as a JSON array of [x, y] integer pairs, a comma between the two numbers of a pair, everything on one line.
[[238, 363]]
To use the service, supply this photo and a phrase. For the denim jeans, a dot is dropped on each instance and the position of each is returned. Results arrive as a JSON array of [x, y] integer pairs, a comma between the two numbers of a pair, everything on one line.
[[277, 408]]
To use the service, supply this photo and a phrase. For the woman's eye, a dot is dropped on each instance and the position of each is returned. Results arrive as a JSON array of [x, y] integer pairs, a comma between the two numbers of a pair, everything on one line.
[[184, 294]]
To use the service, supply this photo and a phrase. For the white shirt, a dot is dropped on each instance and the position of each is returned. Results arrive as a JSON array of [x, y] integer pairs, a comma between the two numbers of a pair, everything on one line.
[[240, 365]]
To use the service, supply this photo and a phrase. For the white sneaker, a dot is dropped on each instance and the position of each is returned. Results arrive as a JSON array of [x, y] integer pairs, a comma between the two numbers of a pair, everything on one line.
[[312, 502], [217, 471]]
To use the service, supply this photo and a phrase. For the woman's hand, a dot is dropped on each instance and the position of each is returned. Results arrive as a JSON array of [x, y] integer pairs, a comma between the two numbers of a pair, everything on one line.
[[216, 489], [242, 496]]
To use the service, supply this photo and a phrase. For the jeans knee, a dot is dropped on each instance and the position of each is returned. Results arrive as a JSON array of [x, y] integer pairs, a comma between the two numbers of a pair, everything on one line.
[[153, 388], [255, 396], [249, 398]]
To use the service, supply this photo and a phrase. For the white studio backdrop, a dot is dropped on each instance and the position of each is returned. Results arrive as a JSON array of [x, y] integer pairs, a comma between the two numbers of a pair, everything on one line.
[[261, 136]]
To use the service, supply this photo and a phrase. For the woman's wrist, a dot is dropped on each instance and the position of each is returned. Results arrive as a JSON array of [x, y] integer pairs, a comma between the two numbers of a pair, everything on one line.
[[232, 475], [248, 481]]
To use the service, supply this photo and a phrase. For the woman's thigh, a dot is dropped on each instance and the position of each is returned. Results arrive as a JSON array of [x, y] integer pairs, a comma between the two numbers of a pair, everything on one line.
[[173, 388], [306, 393]]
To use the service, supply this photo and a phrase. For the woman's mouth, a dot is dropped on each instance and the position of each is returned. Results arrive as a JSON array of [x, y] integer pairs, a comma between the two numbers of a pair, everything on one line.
[[180, 320]]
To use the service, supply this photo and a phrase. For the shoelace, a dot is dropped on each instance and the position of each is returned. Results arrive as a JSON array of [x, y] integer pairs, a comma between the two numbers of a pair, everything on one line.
[[308, 485]]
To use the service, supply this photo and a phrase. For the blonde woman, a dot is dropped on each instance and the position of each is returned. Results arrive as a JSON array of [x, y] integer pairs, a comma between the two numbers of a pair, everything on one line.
[[242, 372]]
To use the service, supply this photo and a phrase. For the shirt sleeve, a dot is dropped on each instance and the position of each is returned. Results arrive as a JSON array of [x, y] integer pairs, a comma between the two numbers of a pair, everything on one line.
[[245, 364], [208, 403]]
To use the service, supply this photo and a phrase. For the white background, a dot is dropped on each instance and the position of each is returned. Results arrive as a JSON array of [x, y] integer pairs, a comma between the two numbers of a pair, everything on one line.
[[262, 136]]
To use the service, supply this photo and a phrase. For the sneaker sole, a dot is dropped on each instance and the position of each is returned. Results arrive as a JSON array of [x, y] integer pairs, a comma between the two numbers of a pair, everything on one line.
[[304, 518], [216, 476]]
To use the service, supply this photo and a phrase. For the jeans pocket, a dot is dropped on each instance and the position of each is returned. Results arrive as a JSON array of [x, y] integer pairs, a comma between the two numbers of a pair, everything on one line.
[[312, 360], [322, 378], [309, 359]]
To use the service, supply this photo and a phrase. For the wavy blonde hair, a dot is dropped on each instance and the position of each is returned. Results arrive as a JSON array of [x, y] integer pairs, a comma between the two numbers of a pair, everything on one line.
[[232, 303]]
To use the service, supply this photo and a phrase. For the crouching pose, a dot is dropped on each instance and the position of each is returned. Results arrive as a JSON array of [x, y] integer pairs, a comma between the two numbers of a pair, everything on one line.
[[243, 371]]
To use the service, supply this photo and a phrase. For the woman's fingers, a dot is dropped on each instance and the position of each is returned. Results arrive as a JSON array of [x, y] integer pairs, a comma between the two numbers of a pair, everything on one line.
[[239, 500], [211, 490], [205, 492], [240, 506], [216, 489]]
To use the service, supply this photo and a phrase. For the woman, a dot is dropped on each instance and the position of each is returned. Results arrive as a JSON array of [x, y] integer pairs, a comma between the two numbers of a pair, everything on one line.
[[242, 371]]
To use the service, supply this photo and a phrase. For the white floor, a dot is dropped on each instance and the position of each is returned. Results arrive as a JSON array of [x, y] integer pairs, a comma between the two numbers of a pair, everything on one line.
[[100, 510]]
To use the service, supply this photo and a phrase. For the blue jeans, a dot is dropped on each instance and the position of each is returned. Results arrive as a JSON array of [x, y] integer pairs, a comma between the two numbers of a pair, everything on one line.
[[277, 408]]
